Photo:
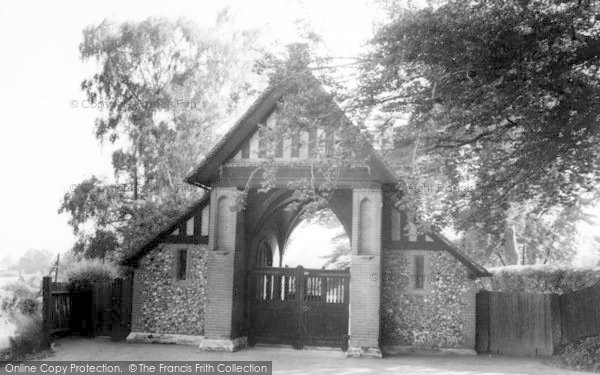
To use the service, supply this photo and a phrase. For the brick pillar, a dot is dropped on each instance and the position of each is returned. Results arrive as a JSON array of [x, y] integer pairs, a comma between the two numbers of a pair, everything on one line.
[[365, 270], [218, 324]]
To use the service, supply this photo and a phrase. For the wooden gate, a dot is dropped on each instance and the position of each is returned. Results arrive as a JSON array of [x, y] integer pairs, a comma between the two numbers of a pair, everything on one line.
[[87, 309], [299, 306], [112, 301]]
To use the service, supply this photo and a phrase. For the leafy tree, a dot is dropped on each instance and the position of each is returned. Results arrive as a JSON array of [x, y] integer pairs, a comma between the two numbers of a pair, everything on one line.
[[499, 99], [165, 85], [340, 256], [34, 261], [487, 109]]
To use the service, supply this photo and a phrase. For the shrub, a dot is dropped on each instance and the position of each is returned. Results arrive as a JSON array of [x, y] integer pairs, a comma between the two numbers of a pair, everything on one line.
[[28, 306], [583, 354], [7, 329], [29, 339], [541, 279], [20, 290], [92, 270], [8, 300]]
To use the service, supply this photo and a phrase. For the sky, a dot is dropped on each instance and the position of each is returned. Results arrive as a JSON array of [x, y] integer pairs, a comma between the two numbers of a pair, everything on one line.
[[47, 145], [310, 244]]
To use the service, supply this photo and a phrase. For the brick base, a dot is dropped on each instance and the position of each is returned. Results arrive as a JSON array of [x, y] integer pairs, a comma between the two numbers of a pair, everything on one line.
[[223, 345], [363, 352]]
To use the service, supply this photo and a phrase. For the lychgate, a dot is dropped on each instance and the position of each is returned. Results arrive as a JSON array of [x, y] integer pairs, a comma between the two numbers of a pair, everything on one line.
[[209, 278]]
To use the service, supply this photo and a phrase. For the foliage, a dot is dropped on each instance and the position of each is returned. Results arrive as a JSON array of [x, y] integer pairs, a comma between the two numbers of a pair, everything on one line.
[[165, 85], [20, 290], [310, 104], [28, 340], [582, 355], [33, 261], [28, 306], [92, 270], [20, 320], [433, 120], [541, 279], [498, 101], [8, 300], [340, 257], [549, 237]]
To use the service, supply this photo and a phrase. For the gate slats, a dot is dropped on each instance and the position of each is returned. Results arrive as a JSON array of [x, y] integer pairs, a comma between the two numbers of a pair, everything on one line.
[[295, 305], [106, 305]]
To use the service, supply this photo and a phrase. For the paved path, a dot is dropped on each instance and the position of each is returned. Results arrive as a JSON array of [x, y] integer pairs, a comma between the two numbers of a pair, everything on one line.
[[290, 361]]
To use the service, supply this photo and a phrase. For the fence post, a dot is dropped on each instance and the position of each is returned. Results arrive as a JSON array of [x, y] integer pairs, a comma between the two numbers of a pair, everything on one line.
[[46, 307], [482, 319], [299, 307]]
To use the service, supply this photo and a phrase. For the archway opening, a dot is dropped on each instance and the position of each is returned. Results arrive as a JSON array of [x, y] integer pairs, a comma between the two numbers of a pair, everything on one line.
[[319, 241]]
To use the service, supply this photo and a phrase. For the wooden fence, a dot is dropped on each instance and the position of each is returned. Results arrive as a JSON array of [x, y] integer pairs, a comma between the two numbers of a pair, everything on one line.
[[87, 309], [580, 313], [57, 307], [535, 324]]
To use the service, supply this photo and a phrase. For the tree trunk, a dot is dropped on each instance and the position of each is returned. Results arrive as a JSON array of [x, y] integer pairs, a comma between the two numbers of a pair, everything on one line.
[[511, 251]]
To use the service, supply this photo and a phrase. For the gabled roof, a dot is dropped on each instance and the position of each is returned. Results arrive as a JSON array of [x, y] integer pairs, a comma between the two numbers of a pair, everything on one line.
[[476, 269], [443, 243], [133, 258], [208, 168]]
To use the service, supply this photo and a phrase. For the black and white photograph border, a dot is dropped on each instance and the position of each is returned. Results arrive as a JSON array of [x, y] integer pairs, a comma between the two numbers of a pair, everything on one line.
[[300, 186]]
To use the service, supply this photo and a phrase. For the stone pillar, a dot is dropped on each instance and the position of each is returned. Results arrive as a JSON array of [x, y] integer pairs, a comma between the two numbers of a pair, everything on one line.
[[365, 270], [219, 332], [137, 299]]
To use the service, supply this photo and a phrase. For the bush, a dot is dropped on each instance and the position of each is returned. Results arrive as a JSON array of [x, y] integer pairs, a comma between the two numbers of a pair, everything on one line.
[[541, 279], [28, 306], [20, 290], [8, 300], [20, 325], [28, 340], [583, 354], [92, 270]]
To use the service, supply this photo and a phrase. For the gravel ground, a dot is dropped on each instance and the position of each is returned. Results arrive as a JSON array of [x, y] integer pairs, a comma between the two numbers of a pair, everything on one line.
[[308, 361]]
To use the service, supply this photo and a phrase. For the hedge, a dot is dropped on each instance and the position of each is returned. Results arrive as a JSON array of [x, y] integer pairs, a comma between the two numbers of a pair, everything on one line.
[[92, 270], [541, 279]]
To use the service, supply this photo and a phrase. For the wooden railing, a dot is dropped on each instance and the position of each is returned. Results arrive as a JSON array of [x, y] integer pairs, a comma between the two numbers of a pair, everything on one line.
[[281, 284]]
